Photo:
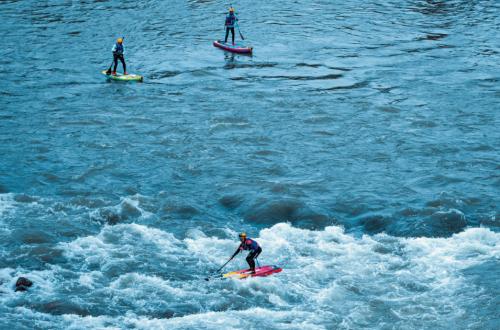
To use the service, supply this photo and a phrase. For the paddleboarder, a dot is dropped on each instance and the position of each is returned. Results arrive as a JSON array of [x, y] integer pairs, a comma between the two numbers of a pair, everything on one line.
[[250, 245], [231, 20], [118, 52]]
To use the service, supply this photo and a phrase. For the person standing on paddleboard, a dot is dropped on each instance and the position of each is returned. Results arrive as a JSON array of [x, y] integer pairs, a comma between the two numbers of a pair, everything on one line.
[[231, 20], [252, 246], [118, 52]]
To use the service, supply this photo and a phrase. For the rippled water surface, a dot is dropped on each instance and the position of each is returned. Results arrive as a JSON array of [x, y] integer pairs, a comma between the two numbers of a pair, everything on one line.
[[359, 145]]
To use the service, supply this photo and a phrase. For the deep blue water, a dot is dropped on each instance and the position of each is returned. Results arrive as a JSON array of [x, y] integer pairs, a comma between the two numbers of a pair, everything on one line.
[[359, 146]]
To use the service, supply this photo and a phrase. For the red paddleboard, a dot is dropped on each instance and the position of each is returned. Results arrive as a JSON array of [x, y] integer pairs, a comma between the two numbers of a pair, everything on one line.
[[259, 272], [240, 49]]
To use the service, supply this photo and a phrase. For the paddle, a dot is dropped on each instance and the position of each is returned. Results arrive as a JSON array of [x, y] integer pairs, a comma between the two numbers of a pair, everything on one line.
[[241, 35], [218, 270], [108, 72]]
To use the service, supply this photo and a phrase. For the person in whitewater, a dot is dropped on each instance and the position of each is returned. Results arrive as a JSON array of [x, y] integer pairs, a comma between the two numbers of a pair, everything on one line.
[[252, 246], [118, 52], [231, 20]]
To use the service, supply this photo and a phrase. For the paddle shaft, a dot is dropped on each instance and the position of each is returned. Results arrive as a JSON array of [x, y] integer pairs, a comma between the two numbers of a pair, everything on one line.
[[241, 35], [218, 270]]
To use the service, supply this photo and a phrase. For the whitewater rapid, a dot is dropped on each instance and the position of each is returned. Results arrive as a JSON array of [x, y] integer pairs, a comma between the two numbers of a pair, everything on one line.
[[132, 275]]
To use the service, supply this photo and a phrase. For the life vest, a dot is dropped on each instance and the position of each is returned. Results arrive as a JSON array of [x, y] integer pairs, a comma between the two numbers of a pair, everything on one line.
[[249, 244], [118, 49], [230, 20]]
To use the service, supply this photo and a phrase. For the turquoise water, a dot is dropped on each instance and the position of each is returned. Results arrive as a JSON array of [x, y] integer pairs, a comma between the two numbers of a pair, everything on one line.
[[358, 146]]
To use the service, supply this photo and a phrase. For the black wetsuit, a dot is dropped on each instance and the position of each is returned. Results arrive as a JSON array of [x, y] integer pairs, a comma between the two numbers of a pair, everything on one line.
[[227, 33], [118, 55], [229, 24], [252, 256]]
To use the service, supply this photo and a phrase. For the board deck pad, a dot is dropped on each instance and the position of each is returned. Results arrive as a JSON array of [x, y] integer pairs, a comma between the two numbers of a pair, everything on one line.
[[259, 272], [236, 48], [122, 77]]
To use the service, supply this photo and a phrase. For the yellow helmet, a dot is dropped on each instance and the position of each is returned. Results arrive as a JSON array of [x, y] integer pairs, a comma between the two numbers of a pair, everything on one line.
[[242, 235], [119, 40], [231, 10]]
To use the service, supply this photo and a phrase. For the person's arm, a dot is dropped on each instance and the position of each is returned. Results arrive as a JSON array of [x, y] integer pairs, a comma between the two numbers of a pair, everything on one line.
[[113, 49], [237, 251]]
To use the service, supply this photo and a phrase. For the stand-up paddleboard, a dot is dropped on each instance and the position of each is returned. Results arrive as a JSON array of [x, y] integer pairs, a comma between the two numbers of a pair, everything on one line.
[[236, 48], [259, 272], [123, 77]]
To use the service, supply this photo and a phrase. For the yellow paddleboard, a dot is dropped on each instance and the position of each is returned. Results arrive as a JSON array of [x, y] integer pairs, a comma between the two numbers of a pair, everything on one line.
[[123, 77]]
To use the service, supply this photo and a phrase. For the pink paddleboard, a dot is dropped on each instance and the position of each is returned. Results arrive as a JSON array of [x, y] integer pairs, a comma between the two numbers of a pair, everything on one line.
[[259, 272], [240, 49]]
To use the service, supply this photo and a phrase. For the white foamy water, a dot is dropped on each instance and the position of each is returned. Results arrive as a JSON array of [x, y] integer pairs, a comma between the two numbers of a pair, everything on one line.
[[136, 276], [7, 206]]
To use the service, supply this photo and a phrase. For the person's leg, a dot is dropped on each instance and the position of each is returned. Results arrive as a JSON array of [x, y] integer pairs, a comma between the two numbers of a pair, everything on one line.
[[251, 259], [258, 253], [122, 59], [115, 59], [227, 34], [232, 34], [251, 262]]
